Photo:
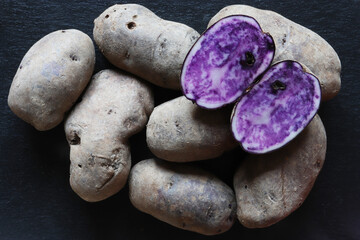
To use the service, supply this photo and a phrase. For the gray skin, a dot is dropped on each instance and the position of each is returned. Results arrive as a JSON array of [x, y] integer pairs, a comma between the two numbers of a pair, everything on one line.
[[115, 106], [181, 131], [134, 39], [271, 186], [182, 196], [51, 76], [295, 42]]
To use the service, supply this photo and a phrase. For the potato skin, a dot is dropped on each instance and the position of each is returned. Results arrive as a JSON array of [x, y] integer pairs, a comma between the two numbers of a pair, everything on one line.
[[295, 42], [134, 39], [115, 106], [271, 186], [181, 131], [51, 76], [183, 196]]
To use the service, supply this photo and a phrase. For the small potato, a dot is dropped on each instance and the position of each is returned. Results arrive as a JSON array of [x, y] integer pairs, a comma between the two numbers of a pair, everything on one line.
[[115, 106], [51, 76], [183, 196], [181, 131], [134, 39], [269, 187], [295, 42]]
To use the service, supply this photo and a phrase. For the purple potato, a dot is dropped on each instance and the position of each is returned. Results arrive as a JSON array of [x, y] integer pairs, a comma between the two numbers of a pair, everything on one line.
[[225, 60], [277, 108]]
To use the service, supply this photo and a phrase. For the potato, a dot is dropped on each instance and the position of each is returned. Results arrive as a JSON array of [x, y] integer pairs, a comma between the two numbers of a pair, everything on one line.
[[183, 196], [181, 131], [115, 106], [295, 42], [51, 76], [269, 187], [136, 40]]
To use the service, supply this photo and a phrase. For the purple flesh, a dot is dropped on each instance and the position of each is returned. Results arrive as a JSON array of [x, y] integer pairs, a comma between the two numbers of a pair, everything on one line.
[[225, 60], [276, 109]]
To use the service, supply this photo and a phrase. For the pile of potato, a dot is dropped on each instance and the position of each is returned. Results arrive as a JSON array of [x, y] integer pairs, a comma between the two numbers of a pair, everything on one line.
[[118, 104]]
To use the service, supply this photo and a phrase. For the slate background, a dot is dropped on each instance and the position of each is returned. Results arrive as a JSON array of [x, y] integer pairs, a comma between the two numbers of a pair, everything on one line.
[[36, 201]]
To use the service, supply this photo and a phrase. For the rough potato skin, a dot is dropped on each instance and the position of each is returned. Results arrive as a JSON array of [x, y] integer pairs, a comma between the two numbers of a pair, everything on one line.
[[295, 42], [115, 106], [183, 196], [51, 76], [181, 131], [134, 39], [269, 187]]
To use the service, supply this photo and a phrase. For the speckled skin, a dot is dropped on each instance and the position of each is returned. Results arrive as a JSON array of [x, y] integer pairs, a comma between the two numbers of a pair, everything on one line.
[[270, 186], [115, 106], [295, 42], [183, 196], [276, 109], [181, 131], [51, 76], [225, 60], [134, 39]]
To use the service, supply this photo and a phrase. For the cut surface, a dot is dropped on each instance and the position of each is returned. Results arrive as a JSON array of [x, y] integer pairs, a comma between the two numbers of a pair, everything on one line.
[[276, 109], [225, 60]]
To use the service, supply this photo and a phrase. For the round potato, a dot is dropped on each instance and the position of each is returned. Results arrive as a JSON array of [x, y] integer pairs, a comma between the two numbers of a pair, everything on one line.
[[134, 39], [51, 76], [269, 187], [183, 196], [115, 106], [295, 42], [181, 131]]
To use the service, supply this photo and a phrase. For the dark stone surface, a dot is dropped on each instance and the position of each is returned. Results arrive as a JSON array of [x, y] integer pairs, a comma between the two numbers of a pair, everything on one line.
[[36, 201]]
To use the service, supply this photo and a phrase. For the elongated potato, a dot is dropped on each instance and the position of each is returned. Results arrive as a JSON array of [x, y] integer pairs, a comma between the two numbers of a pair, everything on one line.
[[51, 76], [134, 39], [269, 187], [114, 107], [181, 131], [183, 196], [295, 42]]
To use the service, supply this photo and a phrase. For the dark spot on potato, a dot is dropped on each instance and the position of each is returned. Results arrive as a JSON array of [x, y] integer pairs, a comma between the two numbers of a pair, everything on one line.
[[74, 57], [20, 67], [63, 31], [131, 25], [135, 16], [110, 111], [230, 206], [79, 165], [318, 163], [248, 61], [278, 85], [162, 45], [230, 218], [74, 138], [246, 186], [183, 225], [127, 54], [124, 8], [219, 230], [284, 39], [107, 16]]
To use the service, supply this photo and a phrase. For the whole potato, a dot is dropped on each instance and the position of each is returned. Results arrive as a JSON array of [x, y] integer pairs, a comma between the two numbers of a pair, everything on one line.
[[295, 42], [270, 186], [181, 131], [51, 76], [115, 106], [134, 39], [183, 196]]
